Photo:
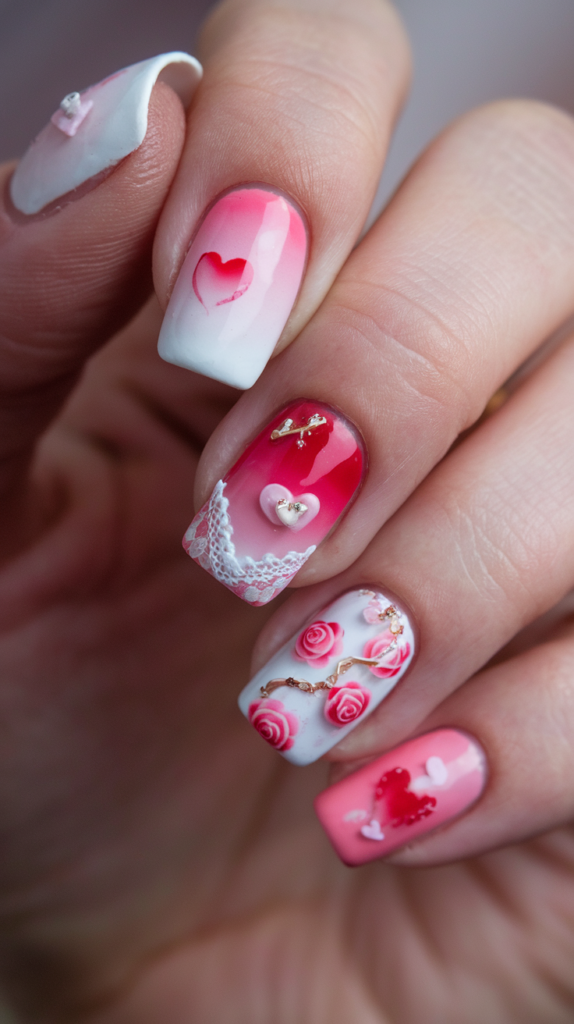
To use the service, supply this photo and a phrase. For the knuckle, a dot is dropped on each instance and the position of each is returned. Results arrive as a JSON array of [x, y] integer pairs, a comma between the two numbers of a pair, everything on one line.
[[427, 364], [520, 154], [324, 87]]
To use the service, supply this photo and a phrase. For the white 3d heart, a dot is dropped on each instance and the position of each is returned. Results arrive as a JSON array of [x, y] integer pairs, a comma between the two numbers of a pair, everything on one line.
[[280, 507], [436, 774], [372, 830]]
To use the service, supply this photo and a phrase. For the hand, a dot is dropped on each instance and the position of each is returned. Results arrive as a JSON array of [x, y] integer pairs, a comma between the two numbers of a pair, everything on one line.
[[159, 860]]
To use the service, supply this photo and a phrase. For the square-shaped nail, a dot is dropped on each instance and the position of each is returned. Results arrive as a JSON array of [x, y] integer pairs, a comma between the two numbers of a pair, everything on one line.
[[331, 675], [236, 287], [93, 130], [278, 502], [405, 793]]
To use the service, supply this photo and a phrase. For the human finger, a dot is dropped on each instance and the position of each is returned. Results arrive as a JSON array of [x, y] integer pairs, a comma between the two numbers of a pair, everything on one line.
[[466, 272], [284, 151], [76, 230], [484, 547], [507, 732]]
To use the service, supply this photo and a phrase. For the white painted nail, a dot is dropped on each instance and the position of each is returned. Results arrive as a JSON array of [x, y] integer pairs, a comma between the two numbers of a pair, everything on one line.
[[329, 677], [93, 130]]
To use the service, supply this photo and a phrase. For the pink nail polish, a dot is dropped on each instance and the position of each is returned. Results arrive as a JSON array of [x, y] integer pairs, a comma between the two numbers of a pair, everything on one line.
[[331, 675], [403, 794], [278, 502], [237, 286]]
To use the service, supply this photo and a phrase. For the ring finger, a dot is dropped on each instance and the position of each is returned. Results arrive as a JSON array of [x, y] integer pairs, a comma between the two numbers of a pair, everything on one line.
[[485, 546]]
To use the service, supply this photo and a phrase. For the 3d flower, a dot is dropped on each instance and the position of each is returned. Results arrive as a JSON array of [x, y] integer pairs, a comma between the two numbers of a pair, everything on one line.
[[274, 723], [392, 662], [320, 642], [346, 703]]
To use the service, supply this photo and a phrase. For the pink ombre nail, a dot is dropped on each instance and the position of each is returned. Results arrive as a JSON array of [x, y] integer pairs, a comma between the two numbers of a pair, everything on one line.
[[403, 794], [237, 286], [278, 502]]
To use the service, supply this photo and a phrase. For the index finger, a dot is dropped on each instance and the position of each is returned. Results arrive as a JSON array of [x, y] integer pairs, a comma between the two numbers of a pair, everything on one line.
[[285, 148]]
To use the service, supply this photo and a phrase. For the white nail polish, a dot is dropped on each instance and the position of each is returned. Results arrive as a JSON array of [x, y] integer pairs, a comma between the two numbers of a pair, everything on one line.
[[93, 130], [329, 677]]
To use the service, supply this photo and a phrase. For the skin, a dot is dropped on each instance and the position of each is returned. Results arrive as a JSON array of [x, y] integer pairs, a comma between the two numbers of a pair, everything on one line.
[[159, 862]]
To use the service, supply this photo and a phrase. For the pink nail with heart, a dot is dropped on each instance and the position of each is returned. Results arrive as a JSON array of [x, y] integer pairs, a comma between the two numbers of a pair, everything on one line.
[[278, 502], [236, 287], [412, 790]]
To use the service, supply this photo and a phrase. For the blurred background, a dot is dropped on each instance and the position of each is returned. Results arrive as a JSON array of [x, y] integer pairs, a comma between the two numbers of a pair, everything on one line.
[[466, 52]]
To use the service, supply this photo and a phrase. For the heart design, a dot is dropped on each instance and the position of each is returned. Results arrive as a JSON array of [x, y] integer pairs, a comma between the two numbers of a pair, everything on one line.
[[436, 774], [372, 830], [356, 815], [275, 495], [216, 283]]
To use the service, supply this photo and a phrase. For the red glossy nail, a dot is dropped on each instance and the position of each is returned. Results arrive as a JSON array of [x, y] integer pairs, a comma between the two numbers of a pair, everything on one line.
[[278, 502]]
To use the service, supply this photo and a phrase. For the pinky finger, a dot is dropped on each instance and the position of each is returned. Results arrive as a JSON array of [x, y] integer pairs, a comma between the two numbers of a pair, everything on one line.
[[492, 765]]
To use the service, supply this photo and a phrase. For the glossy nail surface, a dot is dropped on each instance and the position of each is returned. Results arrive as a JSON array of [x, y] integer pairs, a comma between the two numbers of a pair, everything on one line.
[[329, 677], [236, 287], [403, 794], [93, 130], [278, 502]]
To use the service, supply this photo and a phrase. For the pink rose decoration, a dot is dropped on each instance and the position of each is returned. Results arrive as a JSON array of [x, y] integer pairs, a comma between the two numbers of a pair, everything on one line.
[[346, 703], [320, 642], [393, 661], [274, 723]]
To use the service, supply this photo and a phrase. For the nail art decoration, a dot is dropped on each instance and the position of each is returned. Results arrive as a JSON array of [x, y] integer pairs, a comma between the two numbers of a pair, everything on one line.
[[322, 677], [93, 130], [281, 507], [246, 535], [237, 286], [403, 794], [71, 113]]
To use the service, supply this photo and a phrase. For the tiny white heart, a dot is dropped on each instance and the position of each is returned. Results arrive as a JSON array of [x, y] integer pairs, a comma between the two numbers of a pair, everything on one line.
[[284, 516], [437, 770], [372, 831], [356, 815], [436, 775]]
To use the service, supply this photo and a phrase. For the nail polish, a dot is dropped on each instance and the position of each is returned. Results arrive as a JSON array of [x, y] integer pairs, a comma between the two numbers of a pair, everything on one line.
[[406, 793], [331, 675], [93, 130], [236, 287], [278, 502]]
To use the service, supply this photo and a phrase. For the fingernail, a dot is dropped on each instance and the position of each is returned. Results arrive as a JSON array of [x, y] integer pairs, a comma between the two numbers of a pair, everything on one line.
[[237, 286], [278, 502], [328, 677], [403, 794], [93, 130]]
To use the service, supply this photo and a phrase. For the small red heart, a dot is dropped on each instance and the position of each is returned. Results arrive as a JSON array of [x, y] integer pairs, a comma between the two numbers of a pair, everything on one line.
[[216, 283]]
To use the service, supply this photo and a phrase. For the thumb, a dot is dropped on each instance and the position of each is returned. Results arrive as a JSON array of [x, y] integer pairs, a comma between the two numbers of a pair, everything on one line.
[[74, 270]]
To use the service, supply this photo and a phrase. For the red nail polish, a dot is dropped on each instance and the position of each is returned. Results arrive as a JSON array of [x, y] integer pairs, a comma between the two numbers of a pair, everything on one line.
[[278, 502]]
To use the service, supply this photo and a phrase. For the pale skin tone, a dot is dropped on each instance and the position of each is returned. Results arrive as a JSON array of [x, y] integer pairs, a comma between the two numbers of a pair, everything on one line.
[[159, 861]]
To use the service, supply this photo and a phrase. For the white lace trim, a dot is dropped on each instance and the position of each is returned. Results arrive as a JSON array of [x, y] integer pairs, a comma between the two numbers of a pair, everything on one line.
[[254, 581]]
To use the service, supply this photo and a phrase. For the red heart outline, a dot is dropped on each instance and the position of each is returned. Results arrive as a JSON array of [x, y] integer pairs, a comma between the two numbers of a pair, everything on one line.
[[216, 283]]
